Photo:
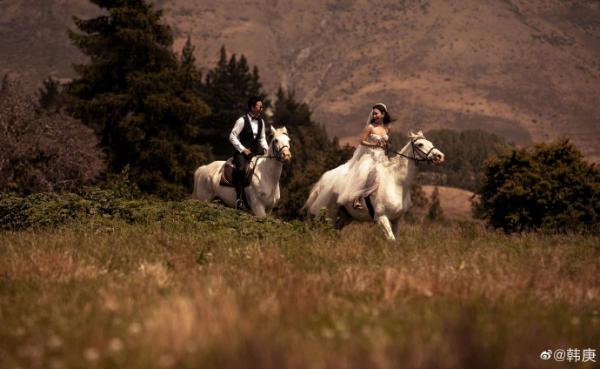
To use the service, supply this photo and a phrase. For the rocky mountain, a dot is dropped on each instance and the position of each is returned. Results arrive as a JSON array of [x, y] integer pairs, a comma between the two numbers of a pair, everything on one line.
[[526, 69]]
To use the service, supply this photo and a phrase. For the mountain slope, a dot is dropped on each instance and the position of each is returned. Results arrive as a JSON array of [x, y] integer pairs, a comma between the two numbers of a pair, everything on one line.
[[528, 70]]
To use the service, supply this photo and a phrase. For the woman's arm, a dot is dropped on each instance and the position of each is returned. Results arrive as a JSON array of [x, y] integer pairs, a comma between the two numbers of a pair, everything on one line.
[[365, 136]]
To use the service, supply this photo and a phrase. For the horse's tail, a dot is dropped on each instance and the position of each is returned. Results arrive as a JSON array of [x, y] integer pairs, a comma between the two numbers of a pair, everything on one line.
[[195, 191], [312, 197]]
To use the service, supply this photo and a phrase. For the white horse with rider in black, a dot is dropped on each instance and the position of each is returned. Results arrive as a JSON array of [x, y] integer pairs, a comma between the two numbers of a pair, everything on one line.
[[249, 180]]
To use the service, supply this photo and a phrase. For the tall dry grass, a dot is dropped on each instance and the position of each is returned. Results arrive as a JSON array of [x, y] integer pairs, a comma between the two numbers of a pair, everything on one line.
[[111, 295]]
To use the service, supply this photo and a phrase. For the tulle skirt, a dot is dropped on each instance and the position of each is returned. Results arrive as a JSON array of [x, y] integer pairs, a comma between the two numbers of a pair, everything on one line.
[[363, 174]]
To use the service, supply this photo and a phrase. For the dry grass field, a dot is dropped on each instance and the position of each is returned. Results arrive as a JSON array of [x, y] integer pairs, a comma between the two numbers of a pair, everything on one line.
[[105, 293]]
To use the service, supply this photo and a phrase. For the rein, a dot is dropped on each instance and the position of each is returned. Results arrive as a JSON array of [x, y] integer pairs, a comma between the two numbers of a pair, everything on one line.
[[277, 155], [414, 156], [277, 151]]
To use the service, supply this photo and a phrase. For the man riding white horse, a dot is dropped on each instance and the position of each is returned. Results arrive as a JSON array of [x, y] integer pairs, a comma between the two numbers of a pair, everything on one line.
[[257, 188], [248, 139]]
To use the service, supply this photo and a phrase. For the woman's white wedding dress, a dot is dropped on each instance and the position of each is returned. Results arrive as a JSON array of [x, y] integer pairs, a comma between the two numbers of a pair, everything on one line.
[[364, 170]]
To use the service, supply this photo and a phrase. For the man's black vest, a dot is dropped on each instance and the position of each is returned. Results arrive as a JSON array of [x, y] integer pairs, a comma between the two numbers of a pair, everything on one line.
[[247, 138]]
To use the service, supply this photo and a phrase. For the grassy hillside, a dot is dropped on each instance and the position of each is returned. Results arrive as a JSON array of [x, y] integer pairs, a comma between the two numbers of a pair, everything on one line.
[[455, 202], [197, 286]]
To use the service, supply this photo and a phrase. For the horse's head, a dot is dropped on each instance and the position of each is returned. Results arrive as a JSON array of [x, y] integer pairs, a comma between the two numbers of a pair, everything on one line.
[[423, 149], [280, 145]]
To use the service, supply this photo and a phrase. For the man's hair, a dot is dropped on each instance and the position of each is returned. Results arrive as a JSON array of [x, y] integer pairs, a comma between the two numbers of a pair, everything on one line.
[[386, 116], [252, 101]]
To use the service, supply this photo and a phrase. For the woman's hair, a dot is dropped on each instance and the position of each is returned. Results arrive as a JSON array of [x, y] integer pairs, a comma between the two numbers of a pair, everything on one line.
[[387, 119]]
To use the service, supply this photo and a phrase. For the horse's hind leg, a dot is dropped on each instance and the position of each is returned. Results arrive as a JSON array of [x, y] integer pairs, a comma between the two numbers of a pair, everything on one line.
[[202, 187], [343, 219]]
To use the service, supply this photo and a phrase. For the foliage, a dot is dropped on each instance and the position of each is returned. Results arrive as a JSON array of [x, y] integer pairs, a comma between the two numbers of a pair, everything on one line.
[[466, 152], [139, 97], [92, 205], [43, 150], [435, 212], [313, 152], [547, 187], [51, 96], [227, 89]]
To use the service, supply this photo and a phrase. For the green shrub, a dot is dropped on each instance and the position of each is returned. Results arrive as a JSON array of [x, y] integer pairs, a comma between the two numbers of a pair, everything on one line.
[[52, 210], [547, 187]]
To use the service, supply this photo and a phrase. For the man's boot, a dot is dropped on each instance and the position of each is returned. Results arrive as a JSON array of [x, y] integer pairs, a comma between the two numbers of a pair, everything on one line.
[[238, 182]]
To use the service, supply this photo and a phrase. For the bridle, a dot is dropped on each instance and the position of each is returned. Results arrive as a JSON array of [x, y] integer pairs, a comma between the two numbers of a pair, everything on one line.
[[415, 149], [278, 154], [277, 151]]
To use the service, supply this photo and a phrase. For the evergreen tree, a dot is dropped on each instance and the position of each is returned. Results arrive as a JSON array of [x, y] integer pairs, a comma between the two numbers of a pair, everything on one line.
[[188, 60], [50, 96], [227, 89], [137, 97], [313, 152], [435, 212], [190, 75]]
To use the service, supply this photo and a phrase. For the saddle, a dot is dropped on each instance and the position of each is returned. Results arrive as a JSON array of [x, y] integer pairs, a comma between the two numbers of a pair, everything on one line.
[[227, 174]]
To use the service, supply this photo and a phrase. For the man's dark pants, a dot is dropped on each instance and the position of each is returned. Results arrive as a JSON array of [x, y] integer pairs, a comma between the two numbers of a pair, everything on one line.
[[241, 162]]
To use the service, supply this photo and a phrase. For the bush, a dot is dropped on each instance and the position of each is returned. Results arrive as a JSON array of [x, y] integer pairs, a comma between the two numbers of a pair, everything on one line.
[[547, 187], [95, 205], [41, 150]]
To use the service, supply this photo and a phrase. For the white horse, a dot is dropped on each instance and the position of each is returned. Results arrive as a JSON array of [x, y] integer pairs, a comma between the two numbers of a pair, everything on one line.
[[263, 191], [389, 201]]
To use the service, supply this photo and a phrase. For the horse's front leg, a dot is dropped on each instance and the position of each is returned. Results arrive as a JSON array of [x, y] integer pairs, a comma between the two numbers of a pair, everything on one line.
[[385, 225], [259, 210], [257, 206], [271, 203]]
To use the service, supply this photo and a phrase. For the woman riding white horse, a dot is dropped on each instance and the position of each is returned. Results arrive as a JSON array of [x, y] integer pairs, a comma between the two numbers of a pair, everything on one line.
[[385, 184], [263, 191], [366, 164]]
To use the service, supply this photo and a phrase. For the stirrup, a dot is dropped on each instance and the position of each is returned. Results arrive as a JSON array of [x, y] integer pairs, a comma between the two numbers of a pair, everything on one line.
[[239, 204]]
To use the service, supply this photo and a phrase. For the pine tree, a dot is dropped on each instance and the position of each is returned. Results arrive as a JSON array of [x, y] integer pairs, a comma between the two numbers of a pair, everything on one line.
[[50, 95], [435, 213], [191, 76], [137, 97], [227, 89], [187, 54]]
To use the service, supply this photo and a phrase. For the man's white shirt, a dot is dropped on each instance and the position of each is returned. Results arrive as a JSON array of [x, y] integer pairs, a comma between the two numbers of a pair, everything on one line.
[[234, 136]]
